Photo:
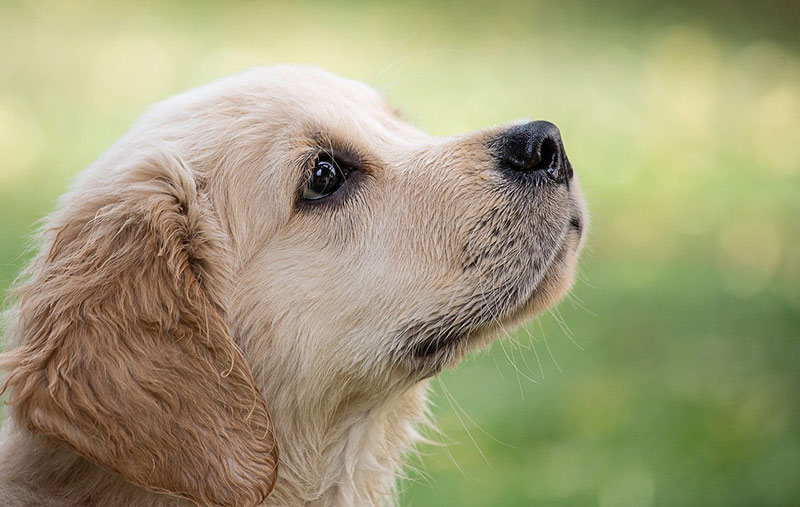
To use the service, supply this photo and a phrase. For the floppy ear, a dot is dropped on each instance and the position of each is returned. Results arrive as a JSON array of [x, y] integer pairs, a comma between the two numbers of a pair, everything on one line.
[[124, 353]]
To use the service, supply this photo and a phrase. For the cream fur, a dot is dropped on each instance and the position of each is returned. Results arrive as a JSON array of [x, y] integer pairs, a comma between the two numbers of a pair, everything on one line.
[[187, 320]]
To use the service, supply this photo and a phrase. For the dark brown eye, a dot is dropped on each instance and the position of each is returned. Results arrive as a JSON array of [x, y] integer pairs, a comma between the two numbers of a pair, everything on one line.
[[326, 177]]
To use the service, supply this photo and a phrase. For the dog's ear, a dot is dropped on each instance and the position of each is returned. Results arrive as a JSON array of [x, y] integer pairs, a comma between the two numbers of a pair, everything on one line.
[[123, 351]]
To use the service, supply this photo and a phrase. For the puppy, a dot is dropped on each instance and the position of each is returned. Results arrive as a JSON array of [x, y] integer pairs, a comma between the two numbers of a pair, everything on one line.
[[240, 303]]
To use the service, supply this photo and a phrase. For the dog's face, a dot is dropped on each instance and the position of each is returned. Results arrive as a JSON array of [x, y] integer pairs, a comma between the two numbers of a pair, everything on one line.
[[391, 252], [280, 242]]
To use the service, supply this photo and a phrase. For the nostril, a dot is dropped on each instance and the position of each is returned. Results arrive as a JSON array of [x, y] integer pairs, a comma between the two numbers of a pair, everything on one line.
[[534, 147], [547, 155]]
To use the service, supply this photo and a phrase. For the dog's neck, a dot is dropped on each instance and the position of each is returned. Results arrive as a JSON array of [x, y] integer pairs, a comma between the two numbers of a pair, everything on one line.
[[353, 459], [351, 456]]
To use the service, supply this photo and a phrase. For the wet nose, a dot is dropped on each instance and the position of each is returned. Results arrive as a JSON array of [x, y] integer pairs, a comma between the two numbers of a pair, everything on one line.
[[535, 147]]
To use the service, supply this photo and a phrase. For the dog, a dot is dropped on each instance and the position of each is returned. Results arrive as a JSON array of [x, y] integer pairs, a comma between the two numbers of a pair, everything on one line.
[[241, 302]]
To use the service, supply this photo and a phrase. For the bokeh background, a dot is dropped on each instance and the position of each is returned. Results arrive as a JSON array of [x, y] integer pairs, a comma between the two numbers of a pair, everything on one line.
[[671, 375]]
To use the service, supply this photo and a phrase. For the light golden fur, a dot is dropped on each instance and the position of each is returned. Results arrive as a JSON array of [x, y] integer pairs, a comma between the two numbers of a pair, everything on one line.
[[191, 332]]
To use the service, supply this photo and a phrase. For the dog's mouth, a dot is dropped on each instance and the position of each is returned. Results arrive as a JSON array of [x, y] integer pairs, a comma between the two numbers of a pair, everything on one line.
[[576, 224], [435, 343]]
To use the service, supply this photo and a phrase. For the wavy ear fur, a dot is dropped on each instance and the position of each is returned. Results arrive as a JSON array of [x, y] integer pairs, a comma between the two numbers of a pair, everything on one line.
[[123, 351]]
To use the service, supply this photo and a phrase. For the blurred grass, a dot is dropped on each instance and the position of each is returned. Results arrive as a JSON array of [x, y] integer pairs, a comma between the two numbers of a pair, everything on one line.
[[683, 121]]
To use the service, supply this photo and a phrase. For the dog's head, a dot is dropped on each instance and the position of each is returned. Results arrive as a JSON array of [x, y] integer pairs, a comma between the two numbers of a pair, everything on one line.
[[280, 230]]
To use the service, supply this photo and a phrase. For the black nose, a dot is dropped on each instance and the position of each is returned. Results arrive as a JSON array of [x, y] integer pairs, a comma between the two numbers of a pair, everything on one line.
[[534, 147]]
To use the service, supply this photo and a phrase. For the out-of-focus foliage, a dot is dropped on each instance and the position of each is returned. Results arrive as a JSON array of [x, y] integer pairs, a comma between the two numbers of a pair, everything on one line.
[[670, 376]]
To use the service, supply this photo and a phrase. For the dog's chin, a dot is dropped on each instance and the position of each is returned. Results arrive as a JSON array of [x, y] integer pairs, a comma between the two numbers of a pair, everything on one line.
[[551, 288], [556, 281], [432, 356]]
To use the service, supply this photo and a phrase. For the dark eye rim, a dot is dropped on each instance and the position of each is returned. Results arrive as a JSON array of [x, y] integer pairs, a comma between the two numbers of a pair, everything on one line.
[[342, 170], [350, 172]]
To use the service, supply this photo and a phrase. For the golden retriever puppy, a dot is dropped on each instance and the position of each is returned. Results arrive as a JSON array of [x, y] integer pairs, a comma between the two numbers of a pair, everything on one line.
[[240, 303]]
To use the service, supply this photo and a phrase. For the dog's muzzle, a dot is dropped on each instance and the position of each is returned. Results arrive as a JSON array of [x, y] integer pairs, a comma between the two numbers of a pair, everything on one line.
[[534, 148]]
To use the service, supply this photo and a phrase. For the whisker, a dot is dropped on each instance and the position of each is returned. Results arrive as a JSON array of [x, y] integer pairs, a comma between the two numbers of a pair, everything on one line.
[[505, 331], [448, 396], [516, 368], [478, 426], [578, 303], [536, 354], [563, 325], [547, 344]]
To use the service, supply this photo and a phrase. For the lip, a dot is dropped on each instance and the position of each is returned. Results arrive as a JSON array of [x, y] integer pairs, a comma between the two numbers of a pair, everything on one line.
[[576, 224], [444, 346], [438, 341]]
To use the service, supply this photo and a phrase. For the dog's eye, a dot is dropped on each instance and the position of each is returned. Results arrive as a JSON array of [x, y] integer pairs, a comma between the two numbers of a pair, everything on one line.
[[326, 177]]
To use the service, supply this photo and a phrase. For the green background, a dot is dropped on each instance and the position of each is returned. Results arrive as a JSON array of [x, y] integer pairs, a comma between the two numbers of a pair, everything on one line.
[[670, 375]]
